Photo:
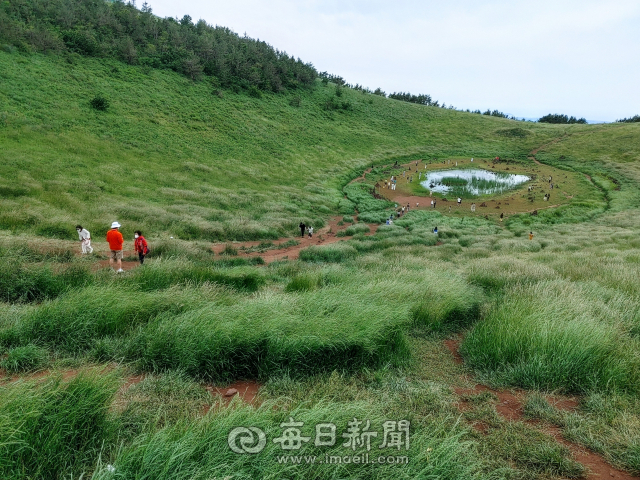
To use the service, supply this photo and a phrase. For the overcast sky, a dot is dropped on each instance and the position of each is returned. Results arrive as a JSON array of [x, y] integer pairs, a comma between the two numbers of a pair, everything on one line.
[[578, 57]]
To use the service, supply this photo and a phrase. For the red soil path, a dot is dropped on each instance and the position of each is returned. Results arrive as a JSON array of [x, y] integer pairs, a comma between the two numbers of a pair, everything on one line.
[[510, 407], [324, 236]]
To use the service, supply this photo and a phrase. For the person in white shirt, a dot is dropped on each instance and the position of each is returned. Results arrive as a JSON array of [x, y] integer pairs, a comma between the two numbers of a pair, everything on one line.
[[310, 230], [85, 239]]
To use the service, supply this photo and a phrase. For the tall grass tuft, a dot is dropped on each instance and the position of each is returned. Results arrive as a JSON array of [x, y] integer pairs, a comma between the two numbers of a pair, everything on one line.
[[545, 337], [76, 320], [55, 429], [35, 283], [200, 450], [164, 274], [301, 334], [25, 359], [331, 254]]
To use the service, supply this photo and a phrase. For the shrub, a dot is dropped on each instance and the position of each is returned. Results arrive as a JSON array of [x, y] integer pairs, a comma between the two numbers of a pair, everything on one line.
[[254, 92], [295, 101], [99, 103], [25, 359]]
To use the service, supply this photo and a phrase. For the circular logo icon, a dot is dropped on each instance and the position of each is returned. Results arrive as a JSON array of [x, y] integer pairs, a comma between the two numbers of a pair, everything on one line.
[[247, 440]]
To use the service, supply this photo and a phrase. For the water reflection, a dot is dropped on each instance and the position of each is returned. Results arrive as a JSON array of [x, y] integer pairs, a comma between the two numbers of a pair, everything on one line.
[[472, 181]]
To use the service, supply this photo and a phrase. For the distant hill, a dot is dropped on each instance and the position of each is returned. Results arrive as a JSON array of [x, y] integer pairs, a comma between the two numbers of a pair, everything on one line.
[[178, 155]]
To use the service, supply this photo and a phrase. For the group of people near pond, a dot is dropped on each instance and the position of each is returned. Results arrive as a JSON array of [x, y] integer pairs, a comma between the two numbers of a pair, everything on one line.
[[115, 241]]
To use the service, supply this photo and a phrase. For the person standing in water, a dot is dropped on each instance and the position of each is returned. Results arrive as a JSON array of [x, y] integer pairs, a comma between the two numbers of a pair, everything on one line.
[[302, 228], [85, 239], [140, 245]]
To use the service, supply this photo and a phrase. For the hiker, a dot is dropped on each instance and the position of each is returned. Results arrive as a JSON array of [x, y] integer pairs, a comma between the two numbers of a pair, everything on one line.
[[473, 207], [435, 230], [140, 245], [417, 204], [472, 160], [408, 206], [115, 240], [388, 220], [85, 239], [449, 208], [459, 201], [530, 235], [501, 216], [403, 210], [310, 231], [302, 227], [432, 203]]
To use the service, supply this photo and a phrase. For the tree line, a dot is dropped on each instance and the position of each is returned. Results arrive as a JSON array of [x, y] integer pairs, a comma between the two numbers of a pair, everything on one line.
[[634, 119], [560, 118], [117, 29]]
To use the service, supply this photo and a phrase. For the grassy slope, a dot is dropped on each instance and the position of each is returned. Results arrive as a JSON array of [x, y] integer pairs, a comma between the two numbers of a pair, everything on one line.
[[170, 156]]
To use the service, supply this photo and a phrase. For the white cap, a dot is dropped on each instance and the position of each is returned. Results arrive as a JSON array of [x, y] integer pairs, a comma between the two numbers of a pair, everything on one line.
[[115, 225]]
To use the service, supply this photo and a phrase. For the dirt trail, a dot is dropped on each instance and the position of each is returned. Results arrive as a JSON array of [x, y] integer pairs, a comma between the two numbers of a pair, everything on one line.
[[510, 407], [324, 236], [246, 390]]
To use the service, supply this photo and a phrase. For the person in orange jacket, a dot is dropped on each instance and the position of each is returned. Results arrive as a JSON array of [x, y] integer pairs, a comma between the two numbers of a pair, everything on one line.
[[115, 240], [140, 245]]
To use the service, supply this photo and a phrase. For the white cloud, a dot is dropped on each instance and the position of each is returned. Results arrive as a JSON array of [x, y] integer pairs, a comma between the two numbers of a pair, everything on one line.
[[524, 58]]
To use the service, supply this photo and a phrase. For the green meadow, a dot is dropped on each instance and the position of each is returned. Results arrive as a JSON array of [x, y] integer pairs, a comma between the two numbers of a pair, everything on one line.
[[111, 376]]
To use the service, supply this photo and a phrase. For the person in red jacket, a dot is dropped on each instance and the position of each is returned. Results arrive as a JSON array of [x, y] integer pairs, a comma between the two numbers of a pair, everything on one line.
[[115, 240], [140, 245]]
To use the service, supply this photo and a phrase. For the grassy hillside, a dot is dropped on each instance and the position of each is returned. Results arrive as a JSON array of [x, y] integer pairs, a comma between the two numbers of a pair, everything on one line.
[[172, 157], [364, 328]]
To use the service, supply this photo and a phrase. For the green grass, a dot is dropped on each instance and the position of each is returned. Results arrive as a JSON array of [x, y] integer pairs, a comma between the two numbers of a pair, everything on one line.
[[25, 359], [169, 157], [55, 429], [547, 337], [353, 329]]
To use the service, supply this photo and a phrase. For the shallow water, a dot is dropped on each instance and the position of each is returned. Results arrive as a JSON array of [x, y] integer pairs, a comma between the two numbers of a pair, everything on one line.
[[472, 181]]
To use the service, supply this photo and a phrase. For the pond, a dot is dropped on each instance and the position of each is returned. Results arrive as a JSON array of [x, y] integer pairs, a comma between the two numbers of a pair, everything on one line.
[[471, 182]]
